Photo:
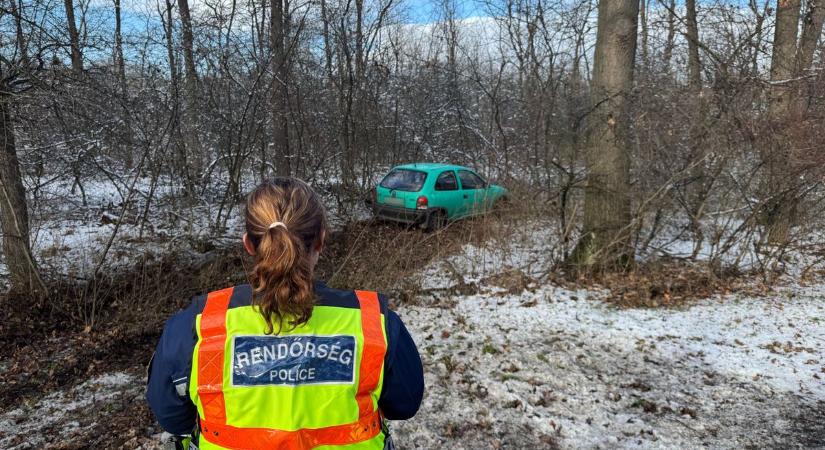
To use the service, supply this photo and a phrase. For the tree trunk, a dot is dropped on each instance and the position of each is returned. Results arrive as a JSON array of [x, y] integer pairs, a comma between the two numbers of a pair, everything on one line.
[[605, 241], [643, 19], [692, 32], [14, 216], [359, 40], [327, 41], [280, 94], [170, 51], [120, 64], [811, 30], [783, 59], [187, 42], [22, 42], [667, 53], [695, 191], [358, 100], [780, 209], [180, 160], [809, 37], [124, 145], [74, 39], [346, 87], [194, 152], [343, 84]]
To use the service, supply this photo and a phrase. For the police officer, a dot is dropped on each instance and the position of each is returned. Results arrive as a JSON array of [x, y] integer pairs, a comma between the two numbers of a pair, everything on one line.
[[284, 362]]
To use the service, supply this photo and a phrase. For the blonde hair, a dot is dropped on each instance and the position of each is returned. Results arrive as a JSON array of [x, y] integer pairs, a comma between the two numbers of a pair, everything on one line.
[[282, 275]]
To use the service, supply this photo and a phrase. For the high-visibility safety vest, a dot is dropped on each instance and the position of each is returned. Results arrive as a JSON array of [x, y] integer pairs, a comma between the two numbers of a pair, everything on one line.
[[313, 387]]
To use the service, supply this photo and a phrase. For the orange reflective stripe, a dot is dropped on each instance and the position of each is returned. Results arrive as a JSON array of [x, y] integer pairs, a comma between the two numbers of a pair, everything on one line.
[[236, 438], [375, 347], [211, 355]]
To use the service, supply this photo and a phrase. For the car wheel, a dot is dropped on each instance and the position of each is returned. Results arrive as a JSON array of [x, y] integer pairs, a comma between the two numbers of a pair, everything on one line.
[[436, 220]]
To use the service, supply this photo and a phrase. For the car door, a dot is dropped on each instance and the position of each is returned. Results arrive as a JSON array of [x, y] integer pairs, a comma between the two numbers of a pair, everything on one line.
[[447, 195], [472, 191]]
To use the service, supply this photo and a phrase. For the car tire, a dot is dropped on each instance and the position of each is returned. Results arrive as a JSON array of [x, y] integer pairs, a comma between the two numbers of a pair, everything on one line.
[[435, 220]]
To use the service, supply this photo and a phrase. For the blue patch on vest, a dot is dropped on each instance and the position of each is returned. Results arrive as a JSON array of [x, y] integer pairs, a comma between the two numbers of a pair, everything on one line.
[[293, 360]]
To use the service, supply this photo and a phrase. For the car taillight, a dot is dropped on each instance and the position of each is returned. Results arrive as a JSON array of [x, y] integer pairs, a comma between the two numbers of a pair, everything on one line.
[[421, 203]]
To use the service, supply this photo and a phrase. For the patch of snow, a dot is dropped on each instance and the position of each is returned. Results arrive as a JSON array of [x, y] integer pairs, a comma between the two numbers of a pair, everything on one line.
[[69, 236], [533, 250], [27, 425], [547, 364], [562, 363]]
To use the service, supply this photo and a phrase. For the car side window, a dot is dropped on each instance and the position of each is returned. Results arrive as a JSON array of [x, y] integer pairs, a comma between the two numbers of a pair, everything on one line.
[[446, 182], [470, 180]]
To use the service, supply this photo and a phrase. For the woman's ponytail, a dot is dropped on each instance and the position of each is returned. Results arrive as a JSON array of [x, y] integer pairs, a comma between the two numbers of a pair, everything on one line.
[[284, 220]]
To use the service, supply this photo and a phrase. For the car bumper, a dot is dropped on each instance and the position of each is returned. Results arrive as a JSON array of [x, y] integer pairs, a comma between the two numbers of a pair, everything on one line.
[[399, 214]]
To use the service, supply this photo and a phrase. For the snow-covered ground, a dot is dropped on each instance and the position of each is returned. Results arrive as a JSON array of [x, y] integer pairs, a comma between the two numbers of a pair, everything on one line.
[[514, 368], [521, 364], [70, 238], [63, 414], [513, 361]]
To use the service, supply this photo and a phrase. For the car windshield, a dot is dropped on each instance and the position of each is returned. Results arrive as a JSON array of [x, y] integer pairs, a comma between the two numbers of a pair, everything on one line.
[[404, 180]]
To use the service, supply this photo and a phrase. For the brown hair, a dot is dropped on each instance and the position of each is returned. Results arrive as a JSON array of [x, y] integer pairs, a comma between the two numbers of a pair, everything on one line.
[[282, 275]]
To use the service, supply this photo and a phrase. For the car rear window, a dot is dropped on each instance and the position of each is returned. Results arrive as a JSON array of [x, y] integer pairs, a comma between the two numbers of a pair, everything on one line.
[[404, 180]]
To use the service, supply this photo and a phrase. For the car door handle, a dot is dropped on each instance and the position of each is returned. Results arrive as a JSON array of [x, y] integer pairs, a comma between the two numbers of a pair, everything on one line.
[[466, 196]]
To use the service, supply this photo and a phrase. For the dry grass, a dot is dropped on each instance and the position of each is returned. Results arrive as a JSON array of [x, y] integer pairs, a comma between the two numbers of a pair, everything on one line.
[[667, 283], [384, 256], [74, 343], [388, 257]]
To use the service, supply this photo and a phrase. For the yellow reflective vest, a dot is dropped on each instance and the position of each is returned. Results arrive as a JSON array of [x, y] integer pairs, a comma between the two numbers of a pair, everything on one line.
[[312, 387]]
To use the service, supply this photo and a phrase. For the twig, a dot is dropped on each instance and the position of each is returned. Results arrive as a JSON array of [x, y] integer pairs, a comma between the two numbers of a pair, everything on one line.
[[122, 214]]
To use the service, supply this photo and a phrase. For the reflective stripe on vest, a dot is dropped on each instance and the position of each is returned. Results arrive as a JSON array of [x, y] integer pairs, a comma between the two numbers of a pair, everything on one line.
[[210, 386]]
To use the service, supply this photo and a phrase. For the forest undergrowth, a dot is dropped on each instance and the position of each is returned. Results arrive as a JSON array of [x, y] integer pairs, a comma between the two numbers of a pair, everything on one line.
[[86, 328]]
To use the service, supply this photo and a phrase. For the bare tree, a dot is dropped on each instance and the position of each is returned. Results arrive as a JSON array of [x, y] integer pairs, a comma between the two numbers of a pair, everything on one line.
[[74, 38], [190, 109], [17, 69], [328, 45], [667, 53], [244, 89], [812, 22], [15, 217], [120, 63], [643, 10], [279, 29], [354, 39], [22, 41], [692, 33], [759, 31], [695, 190], [605, 240], [783, 60], [180, 160], [781, 204]]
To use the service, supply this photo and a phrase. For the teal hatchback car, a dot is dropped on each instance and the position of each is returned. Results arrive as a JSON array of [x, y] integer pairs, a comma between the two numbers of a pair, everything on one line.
[[432, 194]]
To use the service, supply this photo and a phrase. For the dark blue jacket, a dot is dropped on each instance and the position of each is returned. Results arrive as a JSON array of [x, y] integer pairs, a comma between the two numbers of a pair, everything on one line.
[[172, 362]]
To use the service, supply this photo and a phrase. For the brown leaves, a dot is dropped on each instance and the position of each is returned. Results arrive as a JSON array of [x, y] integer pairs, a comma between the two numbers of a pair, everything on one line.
[[514, 281], [670, 284]]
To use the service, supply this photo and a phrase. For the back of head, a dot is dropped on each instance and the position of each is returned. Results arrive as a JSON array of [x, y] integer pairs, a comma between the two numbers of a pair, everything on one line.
[[285, 220]]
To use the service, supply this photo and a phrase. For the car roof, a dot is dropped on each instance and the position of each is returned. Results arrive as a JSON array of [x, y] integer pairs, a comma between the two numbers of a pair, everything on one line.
[[429, 167]]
